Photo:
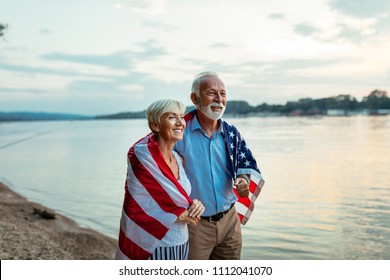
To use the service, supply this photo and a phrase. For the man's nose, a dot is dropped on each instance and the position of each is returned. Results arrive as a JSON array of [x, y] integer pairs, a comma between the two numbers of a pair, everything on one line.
[[218, 97]]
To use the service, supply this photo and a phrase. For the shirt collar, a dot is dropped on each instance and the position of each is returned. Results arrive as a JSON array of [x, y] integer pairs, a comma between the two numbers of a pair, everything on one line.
[[196, 125]]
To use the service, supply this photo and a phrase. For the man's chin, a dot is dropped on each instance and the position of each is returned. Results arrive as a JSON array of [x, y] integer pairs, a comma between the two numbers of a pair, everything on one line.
[[212, 114]]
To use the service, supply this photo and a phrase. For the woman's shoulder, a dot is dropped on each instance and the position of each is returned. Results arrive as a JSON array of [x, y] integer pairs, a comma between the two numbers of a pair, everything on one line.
[[178, 156]]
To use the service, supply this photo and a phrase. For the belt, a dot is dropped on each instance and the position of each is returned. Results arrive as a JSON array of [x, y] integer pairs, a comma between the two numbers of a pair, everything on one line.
[[218, 216]]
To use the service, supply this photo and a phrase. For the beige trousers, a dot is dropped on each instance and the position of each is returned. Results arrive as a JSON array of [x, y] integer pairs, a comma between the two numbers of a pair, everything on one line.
[[220, 240]]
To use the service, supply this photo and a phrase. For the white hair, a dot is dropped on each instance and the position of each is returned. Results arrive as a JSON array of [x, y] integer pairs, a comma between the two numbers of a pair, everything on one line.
[[158, 108], [200, 78]]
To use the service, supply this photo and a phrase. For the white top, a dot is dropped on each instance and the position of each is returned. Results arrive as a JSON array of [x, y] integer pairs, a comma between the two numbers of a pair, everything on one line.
[[178, 233]]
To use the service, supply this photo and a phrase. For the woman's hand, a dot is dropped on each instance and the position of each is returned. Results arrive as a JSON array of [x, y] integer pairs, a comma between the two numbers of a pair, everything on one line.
[[185, 218], [192, 215], [196, 209]]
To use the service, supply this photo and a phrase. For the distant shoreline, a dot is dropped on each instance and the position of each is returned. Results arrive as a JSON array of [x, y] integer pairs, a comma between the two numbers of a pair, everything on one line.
[[376, 103], [249, 115], [29, 232]]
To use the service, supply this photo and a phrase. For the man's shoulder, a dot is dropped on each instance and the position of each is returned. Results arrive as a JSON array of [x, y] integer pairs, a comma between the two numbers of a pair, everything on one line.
[[229, 127]]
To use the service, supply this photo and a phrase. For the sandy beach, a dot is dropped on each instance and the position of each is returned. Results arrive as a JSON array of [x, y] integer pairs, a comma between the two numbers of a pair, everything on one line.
[[30, 231]]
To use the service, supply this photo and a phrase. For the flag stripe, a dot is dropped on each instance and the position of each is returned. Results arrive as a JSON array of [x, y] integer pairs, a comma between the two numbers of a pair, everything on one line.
[[152, 201], [130, 248], [166, 171], [150, 206], [152, 185], [161, 175], [134, 212]]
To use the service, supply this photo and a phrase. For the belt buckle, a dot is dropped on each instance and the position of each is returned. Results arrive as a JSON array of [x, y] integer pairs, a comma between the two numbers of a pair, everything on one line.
[[217, 217]]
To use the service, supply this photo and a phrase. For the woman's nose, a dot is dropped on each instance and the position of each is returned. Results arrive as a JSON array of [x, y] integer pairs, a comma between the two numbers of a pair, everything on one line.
[[180, 121]]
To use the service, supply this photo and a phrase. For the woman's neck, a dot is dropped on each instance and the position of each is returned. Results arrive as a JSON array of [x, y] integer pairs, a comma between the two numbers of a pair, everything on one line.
[[166, 149]]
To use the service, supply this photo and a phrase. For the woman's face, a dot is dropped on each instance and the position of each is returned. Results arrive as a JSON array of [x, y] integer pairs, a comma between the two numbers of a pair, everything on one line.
[[171, 126]]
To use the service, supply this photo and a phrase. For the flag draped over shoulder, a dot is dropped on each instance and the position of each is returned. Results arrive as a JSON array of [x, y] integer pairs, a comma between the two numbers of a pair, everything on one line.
[[154, 199], [242, 162]]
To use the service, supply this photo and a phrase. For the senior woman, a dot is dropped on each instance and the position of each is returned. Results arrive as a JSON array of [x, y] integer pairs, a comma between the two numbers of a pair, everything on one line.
[[157, 206]]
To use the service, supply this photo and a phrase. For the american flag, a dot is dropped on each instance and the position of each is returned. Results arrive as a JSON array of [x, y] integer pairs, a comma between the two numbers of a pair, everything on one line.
[[242, 162], [153, 200]]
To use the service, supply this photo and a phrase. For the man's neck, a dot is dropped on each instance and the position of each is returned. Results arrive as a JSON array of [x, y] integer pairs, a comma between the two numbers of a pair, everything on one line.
[[208, 125]]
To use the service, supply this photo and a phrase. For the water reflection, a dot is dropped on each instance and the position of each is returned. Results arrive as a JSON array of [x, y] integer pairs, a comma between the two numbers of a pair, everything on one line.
[[326, 194]]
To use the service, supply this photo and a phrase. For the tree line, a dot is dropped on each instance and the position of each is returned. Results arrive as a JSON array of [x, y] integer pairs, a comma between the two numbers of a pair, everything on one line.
[[377, 100], [3, 27]]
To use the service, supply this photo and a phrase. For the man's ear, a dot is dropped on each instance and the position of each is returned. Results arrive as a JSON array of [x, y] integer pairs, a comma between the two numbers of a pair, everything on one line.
[[154, 126], [195, 98]]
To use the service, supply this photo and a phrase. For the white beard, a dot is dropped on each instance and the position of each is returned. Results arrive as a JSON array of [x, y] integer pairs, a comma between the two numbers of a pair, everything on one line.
[[210, 113]]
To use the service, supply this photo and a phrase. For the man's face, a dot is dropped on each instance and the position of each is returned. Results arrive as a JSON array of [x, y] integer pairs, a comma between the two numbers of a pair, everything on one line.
[[212, 98]]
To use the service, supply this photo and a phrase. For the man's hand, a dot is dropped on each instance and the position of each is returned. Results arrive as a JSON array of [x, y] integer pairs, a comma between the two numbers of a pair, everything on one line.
[[242, 186]]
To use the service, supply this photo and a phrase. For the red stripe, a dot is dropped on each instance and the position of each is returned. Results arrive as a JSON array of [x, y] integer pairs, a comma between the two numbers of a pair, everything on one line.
[[164, 168], [190, 115], [131, 249], [244, 200], [258, 188], [143, 220], [153, 187], [252, 187]]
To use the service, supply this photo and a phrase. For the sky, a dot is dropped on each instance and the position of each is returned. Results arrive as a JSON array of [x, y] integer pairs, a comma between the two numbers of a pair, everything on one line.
[[97, 57]]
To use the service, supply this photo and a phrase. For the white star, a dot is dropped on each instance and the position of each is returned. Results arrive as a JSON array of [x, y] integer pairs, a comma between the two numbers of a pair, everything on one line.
[[231, 146], [242, 155], [247, 163], [231, 134], [231, 157]]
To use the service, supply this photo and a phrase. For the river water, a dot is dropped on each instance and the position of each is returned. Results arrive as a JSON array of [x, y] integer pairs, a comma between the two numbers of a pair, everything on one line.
[[326, 195]]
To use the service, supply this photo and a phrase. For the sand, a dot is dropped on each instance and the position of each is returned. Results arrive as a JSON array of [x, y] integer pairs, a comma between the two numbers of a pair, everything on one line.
[[28, 231]]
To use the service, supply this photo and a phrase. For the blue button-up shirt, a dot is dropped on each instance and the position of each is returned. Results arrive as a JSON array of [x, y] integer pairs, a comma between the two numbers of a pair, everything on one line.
[[206, 166]]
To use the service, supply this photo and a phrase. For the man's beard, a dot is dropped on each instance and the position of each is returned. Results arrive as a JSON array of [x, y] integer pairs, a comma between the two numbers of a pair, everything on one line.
[[210, 113]]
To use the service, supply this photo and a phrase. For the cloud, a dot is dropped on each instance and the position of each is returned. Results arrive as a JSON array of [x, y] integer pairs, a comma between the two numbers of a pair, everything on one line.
[[277, 16], [37, 70], [160, 25], [141, 6], [305, 29], [119, 60], [362, 8], [46, 31], [219, 45]]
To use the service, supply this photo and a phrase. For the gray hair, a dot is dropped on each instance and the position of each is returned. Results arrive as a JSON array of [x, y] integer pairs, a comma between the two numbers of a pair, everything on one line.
[[200, 78], [158, 108]]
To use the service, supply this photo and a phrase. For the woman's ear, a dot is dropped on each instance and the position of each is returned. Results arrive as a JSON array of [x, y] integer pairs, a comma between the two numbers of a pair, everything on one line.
[[155, 126]]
